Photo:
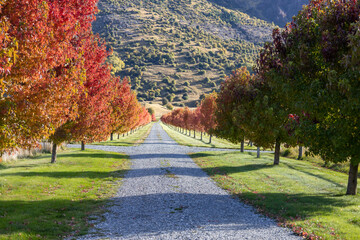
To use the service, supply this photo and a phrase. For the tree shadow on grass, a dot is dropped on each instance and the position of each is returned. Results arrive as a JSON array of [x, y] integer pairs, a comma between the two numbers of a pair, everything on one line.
[[301, 205], [55, 218], [69, 174], [226, 170], [91, 155], [314, 175], [47, 219]]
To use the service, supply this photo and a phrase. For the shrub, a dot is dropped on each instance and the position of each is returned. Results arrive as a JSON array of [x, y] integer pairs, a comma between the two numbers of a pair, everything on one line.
[[202, 72], [169, 106], [165, 101]]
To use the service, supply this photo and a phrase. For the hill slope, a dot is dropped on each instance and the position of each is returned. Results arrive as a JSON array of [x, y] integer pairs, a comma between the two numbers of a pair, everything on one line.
[[278, 11], [178, 49]]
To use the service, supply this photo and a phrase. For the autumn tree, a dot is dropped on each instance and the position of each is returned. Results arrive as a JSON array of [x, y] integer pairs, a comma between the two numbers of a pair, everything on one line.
[[233, 96], [207, 113], [40, 92], [93, 116], [314, 65]]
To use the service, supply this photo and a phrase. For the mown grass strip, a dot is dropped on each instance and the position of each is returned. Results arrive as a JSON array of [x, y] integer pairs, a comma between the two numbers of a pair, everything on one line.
[[308, 199], [187, 140], [127, 140], [39, 200]]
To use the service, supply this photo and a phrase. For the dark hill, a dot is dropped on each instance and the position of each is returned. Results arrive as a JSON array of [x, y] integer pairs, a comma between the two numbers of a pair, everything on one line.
[[278, 11]]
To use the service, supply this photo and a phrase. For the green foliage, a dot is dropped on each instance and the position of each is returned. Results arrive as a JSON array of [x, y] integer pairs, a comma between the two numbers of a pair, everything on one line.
[[165, 101], [117, 64], [313, 68], [151, 111], [169, 106], [248, 107]]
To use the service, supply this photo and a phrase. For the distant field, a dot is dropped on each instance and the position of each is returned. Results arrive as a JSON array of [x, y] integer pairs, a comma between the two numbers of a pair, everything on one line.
[[308, 199], [128, 139], [197, 142], [39, 200]]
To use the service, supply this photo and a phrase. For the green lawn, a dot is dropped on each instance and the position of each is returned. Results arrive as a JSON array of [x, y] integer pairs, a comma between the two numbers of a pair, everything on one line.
[[306, 198], [187, 140], [39, 200], [129, 139]]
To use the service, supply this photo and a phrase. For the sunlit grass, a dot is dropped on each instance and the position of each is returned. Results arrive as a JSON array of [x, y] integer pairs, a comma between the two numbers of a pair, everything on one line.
[[39, 200], [307, 198]]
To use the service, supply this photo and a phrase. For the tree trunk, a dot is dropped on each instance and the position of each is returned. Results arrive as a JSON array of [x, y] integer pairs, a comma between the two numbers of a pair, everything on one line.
[[201, 136], [194, 134], [352, 181], [300, 153], [242, 146], [111, 136], [251, 144], [277, 153], [258, 152], [118, 136], [210, 138], [123, 134], [53, 153], [82, 145]]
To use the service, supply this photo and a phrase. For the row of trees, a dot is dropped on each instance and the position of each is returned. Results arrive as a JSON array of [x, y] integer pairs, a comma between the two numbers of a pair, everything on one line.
[[54, 82], [202, 119], [305, 90]]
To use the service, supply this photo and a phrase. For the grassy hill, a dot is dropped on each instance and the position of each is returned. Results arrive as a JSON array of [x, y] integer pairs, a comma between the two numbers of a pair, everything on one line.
[[176, 50]]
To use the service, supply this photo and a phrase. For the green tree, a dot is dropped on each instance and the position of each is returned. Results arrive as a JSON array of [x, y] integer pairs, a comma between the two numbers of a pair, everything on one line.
[[116, 62], [314, 68]]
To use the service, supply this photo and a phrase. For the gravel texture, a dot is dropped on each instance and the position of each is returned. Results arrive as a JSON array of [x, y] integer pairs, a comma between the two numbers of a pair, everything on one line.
[[166, 195]]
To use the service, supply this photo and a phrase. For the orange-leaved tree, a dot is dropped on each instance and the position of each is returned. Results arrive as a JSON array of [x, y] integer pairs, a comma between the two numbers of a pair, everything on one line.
[[207, 113], [40, 92]]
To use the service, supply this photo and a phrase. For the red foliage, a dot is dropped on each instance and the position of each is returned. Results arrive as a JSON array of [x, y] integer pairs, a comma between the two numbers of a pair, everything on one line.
[[201, 119], [40, 92]]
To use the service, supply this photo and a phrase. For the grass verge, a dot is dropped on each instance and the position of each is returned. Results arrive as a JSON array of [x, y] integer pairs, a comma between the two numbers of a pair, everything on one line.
[[127, 140], [306, 198], [39, 200], [187, 140]]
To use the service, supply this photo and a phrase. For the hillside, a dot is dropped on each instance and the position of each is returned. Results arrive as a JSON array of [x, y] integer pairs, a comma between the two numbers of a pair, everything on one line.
[[278, 11], [178, 49]]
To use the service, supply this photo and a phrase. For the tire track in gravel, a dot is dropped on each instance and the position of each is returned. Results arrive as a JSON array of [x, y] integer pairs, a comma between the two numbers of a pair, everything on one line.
[[165, 195]]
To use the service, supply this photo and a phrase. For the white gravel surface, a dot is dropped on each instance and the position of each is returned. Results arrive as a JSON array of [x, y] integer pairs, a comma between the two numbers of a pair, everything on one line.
[[166, 195]]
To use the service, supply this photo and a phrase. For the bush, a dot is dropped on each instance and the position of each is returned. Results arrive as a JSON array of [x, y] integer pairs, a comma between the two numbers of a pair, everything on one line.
[[286, 152], [165, 101], [206, 80], [169, 106], [212, 84], [202, 72]]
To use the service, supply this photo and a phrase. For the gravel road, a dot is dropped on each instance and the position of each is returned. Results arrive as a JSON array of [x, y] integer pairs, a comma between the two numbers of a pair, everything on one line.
[[166, 195]]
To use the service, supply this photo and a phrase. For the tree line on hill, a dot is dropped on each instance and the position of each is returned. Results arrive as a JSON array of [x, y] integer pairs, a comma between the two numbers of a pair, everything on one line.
[[305, 90], [54, 81]]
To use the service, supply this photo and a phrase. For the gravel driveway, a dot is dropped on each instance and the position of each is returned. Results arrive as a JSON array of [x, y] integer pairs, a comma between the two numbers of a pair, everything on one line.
[[166, 195]]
